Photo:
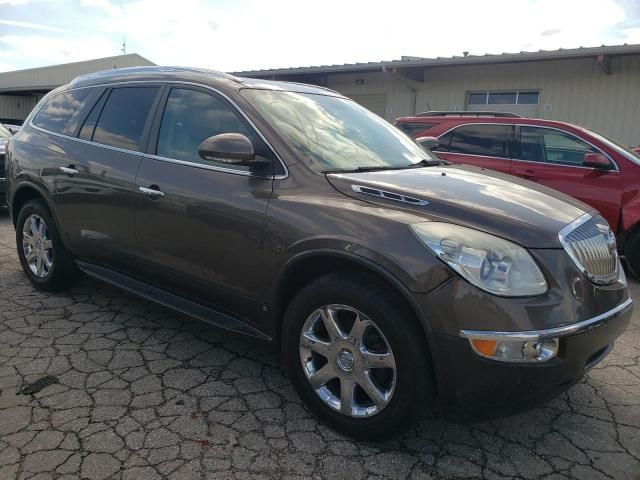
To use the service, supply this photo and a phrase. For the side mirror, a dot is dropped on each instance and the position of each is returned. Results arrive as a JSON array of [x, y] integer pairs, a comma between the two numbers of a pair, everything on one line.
[[232, 149], [596, 160], [430, 143]]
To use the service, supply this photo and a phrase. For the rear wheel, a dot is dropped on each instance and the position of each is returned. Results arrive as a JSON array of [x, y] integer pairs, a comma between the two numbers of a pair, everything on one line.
[[632, 252], [356, 356], [42, 255]]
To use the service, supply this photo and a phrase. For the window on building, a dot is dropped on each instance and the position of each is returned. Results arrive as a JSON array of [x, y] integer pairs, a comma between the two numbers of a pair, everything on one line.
[[515, 97], [191, 116], [57, 113], [487, 140], [124, 117], [552, 146], [413, 128]]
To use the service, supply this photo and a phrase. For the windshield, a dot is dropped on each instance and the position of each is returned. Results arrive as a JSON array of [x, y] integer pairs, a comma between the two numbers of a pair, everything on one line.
[[334, 133], [4, 132], [621, 149]]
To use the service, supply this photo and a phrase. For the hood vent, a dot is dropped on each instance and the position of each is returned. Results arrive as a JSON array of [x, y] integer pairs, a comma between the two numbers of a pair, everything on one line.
[[375, 192]]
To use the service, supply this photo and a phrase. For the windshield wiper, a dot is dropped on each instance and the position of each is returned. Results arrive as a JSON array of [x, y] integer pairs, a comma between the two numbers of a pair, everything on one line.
[[377, 168]]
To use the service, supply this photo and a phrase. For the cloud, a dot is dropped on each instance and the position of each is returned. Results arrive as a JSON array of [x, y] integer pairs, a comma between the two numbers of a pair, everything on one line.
[[236, 35], [33, 26]]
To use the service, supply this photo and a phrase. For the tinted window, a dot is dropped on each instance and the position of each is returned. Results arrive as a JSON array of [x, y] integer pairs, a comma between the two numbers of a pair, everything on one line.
[[124, 116], [552, 146], [86, 132], [488, 140], [191, 116], [57, 113], [413, 128], [444, 142]]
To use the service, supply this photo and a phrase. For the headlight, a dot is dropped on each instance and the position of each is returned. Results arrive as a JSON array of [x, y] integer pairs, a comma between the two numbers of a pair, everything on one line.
[[488, 262]]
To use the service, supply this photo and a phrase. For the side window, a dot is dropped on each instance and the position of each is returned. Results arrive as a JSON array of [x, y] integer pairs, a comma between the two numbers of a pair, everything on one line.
[[57, 114], [124, 117], [86, 132], [412, 128], [191, 116], [552, 146], [444, 142], [486, 140]]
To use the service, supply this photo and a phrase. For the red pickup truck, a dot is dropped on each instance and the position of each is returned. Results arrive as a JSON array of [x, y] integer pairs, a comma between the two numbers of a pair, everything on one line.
[[568, 158]]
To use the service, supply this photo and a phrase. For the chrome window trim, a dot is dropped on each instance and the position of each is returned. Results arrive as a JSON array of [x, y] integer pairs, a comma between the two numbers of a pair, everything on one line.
[[615, 169], [475, 155], [193, 164], [556, 332]]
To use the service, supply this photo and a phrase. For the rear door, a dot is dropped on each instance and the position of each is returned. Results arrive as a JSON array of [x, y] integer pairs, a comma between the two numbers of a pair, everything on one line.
[[201, 236], [554, 158], [484, 145], [94, 188]]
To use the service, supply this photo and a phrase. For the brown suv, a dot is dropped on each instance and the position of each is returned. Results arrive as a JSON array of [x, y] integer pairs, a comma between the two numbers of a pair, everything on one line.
[[391, 280]]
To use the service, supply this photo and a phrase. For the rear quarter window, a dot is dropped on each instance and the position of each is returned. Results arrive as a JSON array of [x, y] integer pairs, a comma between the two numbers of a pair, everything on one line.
[[61, 112]]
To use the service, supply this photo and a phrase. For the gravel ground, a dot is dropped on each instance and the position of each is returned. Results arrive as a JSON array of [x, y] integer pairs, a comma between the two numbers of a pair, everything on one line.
[[146, 393]]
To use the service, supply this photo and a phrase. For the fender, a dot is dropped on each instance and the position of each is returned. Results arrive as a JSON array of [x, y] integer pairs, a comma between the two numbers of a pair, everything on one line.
[[363, 262]]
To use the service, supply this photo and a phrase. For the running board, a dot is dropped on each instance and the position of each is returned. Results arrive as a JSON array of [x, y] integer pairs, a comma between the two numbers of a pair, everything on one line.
[[170, 300]]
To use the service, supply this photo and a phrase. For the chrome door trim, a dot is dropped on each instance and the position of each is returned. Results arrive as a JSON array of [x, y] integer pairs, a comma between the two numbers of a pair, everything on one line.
[[69, 171], [167, 82], [151, 192]]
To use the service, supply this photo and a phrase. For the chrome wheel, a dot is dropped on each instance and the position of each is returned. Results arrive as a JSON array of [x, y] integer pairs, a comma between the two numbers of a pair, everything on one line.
[[37, 246], [347, 360]]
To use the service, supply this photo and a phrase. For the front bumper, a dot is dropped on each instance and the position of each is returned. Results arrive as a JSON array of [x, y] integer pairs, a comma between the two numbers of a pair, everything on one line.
[[470, 386]]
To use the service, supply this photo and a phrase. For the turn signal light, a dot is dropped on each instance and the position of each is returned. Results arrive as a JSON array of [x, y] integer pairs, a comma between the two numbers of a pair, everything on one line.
[[516, 350]]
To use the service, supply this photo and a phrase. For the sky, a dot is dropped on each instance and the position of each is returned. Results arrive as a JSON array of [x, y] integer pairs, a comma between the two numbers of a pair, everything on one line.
[[234, 35]]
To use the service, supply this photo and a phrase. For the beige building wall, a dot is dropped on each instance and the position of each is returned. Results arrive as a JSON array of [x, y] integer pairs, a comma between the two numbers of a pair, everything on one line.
[[572, 90]]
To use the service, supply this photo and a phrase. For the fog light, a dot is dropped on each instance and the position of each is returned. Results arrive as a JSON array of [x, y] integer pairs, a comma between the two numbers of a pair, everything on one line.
[[516, 350]]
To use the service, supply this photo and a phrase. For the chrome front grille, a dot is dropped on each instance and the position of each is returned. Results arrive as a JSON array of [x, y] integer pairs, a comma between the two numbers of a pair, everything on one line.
[[592, 245]]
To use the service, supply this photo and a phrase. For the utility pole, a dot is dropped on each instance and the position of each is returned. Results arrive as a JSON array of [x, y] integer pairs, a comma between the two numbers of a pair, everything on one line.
[[124, 46]]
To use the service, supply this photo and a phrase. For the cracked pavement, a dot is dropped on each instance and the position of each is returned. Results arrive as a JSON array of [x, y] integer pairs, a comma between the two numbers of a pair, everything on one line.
[[146, 393]]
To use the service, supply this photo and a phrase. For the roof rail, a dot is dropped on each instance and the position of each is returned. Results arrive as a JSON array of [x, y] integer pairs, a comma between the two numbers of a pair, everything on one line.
[[466, 113]]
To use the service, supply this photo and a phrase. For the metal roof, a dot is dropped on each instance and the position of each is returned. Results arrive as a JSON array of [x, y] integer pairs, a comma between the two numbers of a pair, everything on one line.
[[48, 78], [560, 54]]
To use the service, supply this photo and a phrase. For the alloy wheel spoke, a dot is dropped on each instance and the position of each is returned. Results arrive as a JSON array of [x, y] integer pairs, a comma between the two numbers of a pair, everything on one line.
[[359, 328], [322, 376], [30, 257], [371, 389], [313, 343], [377, 360], [47, 262], [48, 244], [347, 389], [328, 319], [39, 266], [35, 231], [27, 238]]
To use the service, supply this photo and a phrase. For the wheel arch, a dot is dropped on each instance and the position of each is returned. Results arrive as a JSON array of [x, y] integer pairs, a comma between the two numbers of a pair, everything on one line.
[[306, 266]]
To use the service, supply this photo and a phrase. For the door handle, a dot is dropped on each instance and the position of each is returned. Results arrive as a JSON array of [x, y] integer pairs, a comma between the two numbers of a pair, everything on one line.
[[152, 192], [70, 170]]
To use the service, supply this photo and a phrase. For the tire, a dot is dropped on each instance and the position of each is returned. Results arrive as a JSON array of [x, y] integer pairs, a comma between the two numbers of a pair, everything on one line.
[[50, 266], [356, 299], [632, 252]]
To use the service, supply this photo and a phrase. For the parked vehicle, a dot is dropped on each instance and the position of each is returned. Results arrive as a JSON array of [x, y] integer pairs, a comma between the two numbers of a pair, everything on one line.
[[568, 158], [4, 138], [391, 281]]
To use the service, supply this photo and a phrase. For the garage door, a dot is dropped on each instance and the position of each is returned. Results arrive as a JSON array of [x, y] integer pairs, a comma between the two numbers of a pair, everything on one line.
[[376, 102]]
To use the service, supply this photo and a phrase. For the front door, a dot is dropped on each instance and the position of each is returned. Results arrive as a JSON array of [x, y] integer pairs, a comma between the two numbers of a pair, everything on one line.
[[201, 236], [483, 145], [554, 158]]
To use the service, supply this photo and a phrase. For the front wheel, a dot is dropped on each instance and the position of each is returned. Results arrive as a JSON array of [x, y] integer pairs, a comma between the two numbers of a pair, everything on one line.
[[356, 356], [48, 265]]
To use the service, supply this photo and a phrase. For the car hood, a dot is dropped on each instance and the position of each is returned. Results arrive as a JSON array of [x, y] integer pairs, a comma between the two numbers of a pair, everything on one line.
[[501, 204]]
